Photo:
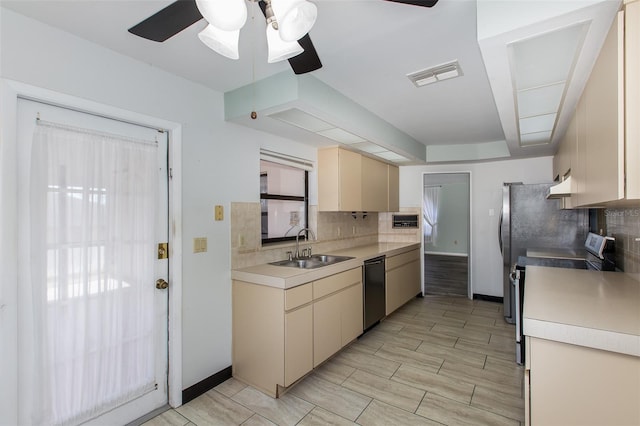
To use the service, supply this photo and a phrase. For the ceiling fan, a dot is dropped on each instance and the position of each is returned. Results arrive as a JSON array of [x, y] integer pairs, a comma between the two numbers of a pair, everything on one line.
[[181, 14]]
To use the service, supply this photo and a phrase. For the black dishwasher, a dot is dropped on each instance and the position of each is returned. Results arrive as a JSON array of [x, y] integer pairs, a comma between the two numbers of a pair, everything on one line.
[[374, 291]]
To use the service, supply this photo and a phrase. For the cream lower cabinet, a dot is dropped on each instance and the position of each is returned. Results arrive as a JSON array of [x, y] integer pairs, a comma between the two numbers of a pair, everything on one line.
[[272, 335], [281, 335], [298, 341], [402, 279], [337, 313], [574, 385]]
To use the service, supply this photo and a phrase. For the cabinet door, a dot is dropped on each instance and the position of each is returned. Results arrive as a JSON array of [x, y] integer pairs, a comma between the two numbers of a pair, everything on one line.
[[375, 185], [326, 328], [574, 385], [578, 163], [566, 150], [402, 279], [604, 123], [351, 313], [298, 346], [565, 162], [632, 99], [350, 181], [328, 195], [394, 188], [258, 336]]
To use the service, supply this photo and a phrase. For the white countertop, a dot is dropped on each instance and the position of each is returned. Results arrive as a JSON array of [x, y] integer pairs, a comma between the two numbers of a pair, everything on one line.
[[557, 253], [287, 277], [582, 307]]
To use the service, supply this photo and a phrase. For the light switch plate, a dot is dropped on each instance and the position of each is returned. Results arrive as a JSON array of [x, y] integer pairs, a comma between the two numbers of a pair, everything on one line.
[[200, 245], [219, 213]]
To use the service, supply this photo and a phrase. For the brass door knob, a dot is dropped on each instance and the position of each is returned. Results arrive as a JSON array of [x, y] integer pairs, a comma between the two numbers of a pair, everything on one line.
[[161, 284]]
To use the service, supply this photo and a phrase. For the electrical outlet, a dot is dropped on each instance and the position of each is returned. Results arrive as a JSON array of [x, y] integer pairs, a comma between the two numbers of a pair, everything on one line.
[[219, 213], [339, 231], [200, 245]]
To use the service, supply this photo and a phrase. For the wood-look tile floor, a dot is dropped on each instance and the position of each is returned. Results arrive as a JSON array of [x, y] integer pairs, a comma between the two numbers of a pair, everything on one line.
[[438, 360]]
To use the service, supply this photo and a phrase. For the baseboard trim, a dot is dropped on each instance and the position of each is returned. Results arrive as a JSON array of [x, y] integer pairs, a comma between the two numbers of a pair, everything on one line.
[[487, 298], [194, 391]]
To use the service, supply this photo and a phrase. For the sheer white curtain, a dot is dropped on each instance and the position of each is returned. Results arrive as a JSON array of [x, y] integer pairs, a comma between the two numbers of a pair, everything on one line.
[[90, 273], [430, 213]]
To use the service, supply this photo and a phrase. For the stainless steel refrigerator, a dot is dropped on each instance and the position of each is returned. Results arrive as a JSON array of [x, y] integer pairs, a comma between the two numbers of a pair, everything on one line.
[[529, 221]]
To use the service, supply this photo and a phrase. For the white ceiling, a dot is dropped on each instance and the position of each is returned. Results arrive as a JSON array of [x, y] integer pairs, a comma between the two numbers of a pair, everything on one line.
[[366, 46]]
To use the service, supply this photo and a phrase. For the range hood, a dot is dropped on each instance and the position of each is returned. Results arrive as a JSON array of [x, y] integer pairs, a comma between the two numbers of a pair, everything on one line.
[[561, 190]]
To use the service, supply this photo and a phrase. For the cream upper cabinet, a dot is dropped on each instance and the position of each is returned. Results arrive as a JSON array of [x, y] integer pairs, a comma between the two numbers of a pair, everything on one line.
[[566, 151], [566, 160], [375, 185], [605, 161], [394, 188], [339, 180], [348, 181], [601, 140], [632, 99]]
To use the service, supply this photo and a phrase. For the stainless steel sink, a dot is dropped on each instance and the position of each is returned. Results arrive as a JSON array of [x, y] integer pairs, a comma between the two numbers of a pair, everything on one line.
[[315, 261]]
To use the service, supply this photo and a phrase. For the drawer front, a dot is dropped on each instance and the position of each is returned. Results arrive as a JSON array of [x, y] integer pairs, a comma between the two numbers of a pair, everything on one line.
[[395, 261], [336, 282], [297, 296]]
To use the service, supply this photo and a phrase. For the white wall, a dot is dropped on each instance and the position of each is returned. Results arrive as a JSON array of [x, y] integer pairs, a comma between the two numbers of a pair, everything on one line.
[[486, 195], [220, 162]]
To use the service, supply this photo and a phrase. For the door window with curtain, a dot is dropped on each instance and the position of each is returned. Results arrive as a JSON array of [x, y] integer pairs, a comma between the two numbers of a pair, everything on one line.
[[430, 213], [92, 235]]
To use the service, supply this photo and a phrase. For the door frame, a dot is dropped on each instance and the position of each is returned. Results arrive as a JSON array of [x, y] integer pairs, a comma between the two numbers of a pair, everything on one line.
[[470, 219], [10, 91]]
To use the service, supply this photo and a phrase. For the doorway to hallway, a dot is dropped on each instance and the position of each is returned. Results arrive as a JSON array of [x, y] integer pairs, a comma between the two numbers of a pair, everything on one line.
[[446, 206]]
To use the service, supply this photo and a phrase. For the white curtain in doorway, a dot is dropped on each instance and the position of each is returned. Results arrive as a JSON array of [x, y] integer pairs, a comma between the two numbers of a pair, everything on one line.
[[90, 272], [430, 213]]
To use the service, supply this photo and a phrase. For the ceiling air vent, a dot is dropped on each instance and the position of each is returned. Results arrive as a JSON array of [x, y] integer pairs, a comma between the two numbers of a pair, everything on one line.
[[435, 74]]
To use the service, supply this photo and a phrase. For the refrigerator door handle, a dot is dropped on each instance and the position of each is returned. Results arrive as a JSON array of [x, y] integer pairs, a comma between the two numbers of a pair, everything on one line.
[[500, 232]]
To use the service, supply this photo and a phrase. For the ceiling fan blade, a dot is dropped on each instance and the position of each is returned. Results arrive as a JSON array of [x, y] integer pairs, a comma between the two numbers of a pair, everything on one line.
[[425, 3], [168, 22], [308, 60]]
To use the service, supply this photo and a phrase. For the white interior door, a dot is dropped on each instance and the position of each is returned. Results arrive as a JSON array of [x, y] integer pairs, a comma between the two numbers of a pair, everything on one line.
[[131, 400]]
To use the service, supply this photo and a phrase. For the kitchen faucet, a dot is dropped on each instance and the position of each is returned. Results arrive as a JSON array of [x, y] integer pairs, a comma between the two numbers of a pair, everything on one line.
[[306, 237]]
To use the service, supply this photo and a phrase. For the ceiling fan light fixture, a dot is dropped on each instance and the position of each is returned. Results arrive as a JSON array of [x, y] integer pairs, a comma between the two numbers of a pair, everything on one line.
[[223, 42], [227, 15], [279, 50], [295, 18]]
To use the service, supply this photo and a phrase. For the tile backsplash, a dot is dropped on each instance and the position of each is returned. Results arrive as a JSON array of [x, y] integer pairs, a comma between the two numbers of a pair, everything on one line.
[[388, 234], [334, 230], [624, 225]]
